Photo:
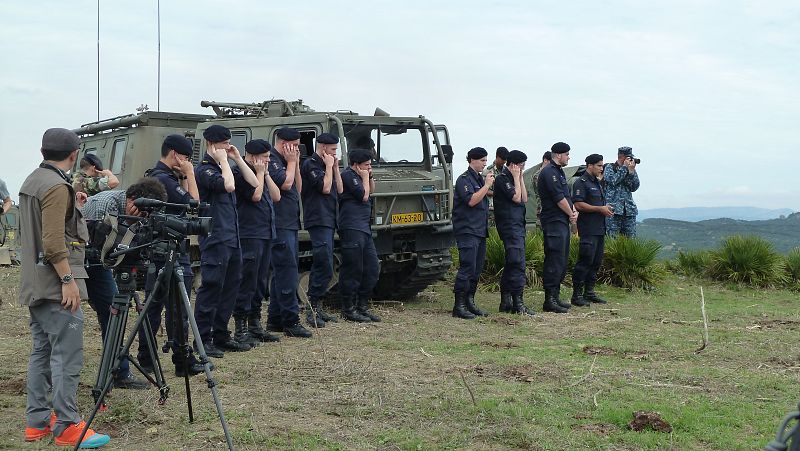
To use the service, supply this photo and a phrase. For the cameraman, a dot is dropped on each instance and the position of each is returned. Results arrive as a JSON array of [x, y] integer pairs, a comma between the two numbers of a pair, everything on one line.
[[175, 171], [100, 285], [620, 179]]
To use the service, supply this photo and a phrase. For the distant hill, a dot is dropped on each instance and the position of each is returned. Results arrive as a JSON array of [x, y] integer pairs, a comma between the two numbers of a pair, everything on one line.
[[783, 233], [704, 213]]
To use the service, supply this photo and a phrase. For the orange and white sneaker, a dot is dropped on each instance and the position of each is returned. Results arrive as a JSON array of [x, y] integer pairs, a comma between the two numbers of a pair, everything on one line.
[[34, 434], [91, 440]]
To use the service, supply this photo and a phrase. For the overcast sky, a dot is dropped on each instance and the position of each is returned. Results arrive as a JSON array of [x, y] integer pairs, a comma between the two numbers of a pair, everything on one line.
[[706, 92]]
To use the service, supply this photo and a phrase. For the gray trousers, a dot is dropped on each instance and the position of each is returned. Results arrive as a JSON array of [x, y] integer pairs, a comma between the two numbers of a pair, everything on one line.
[[55, 365]]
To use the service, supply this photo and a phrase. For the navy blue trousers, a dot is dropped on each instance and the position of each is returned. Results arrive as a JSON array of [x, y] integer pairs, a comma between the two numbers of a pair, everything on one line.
[[590, 257], [255, 274], [101, 288], [556, 254], [471, 257], [161, 303], [513, 279], [360, 265], [322, 266], [221, 270], [283, 307]]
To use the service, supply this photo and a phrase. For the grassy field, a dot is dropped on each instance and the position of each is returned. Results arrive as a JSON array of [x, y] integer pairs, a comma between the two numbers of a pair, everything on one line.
[[424, 380]]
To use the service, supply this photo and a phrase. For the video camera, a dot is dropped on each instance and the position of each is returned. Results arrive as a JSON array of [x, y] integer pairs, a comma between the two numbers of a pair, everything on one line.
[[131, 241]]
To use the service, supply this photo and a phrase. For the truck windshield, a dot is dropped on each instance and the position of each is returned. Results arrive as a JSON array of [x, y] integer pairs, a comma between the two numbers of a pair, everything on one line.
[[389, 143]]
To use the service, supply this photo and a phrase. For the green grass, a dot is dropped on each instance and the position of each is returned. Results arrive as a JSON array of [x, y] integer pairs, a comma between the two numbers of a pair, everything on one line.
[[548, 382]]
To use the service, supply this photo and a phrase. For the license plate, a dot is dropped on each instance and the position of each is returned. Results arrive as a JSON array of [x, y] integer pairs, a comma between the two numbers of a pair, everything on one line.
[[407, 218]]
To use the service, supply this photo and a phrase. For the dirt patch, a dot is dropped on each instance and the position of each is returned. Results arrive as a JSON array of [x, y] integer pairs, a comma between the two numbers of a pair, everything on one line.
[[637, 355], [784, 362], [779, 324], [649, 420], [598, 350], [504, 321], [596, 428], [492, 344], [14, 386]]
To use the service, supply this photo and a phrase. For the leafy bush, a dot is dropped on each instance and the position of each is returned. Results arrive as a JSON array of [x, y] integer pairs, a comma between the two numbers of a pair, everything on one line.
[[496, 260], [631, 263], [749, 260], [793, 268], [693, 263]]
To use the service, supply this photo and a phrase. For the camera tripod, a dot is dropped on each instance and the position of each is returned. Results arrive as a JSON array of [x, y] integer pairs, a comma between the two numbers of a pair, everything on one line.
[[117, 347]]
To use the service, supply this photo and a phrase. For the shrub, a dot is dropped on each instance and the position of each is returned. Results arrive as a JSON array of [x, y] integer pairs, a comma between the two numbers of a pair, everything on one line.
[[693, 263], [793, 268], [496, 260], [631, 263], [749, 260]]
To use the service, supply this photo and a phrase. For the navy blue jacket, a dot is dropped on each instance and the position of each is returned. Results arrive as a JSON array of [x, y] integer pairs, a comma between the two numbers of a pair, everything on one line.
[[507, 213], [553, 187], [211, 185], [466, 219], [354, 213], [287, 210], [590, 190], [319, 209], [255, 218]]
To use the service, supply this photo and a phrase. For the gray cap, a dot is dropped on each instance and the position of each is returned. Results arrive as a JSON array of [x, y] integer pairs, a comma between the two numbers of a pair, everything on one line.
[[60, 140]]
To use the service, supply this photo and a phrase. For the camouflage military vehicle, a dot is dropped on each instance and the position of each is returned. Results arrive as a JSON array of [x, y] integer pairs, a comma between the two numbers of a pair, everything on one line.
[[411, 217]]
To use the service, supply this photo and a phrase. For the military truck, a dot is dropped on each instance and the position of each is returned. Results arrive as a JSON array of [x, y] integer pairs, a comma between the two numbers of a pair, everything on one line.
[[411, 217]]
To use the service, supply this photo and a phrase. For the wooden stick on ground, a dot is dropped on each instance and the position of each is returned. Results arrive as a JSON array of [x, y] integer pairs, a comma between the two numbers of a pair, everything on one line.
[[705, 322]]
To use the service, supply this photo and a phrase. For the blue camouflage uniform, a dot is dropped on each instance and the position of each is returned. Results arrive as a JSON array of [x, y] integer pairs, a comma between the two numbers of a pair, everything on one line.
[[175, 195], [470, 226], [509, 217], [220, 255], [256, 230], [283, 310], [552, 186], [360, 264], [591, 229], [619, 184], [319, 218]]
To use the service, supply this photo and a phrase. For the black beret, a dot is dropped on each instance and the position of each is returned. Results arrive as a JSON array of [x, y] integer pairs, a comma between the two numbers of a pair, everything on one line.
[[288, 134], [359, 156], [516, 157], [60, 140], [217, 134], [502, 152], [257, 147], [476, 153], [94, 161], [627, 151], [547, 156], [179, 144], [328, 138], [365, 142], [594, 158], [560, 147]]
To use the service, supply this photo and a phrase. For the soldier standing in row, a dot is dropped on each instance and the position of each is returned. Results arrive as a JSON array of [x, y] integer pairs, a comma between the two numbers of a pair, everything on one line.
[[283, 311], [510, 196], [360, 264], [471, 227], [256, 230], [557, 214], [621, 180], [323, 183], [220, 251], [589, 199]]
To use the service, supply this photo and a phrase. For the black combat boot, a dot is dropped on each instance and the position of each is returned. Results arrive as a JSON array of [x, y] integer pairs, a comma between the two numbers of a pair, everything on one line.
[[362, 306], [577, 297], [192, 364], [591, 296], [474, 308], [506, 302], [460, 306], [297, 330], [550, 304], [322, 314], [518, 306], [562, 304], [258, 332], [312, 316], [350, 313], [228, 344], [241, 334]]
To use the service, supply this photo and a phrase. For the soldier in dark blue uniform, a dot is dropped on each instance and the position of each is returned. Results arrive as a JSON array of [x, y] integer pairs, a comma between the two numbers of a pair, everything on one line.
[[360, 264], [256, 229], [470, 226], [283, 311], [220, 252], [175, 171], [322, 183], [557, 213], [589, 199], [510, 196]]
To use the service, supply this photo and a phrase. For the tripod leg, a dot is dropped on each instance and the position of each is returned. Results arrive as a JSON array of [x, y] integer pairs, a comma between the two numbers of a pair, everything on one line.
[[115, 334], [150, 344], [175, 306], [212, 384]]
